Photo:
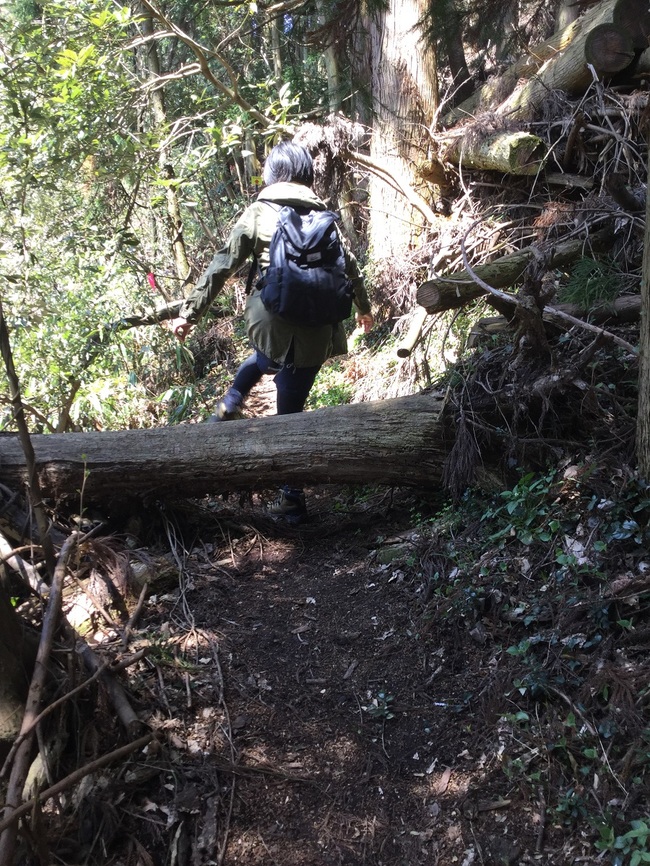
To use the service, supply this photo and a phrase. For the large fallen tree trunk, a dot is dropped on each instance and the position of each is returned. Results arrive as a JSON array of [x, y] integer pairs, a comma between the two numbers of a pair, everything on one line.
[[450, 291], [498, 88], [606, 49], [396, 442]]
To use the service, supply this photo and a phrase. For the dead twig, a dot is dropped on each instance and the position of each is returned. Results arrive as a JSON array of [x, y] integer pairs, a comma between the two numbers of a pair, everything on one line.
[[28, 449], [46, 712], [26, 570], [96, 603], [221, 855], [17, 550], [135, 615], [539, 845], [72, 779], [118, 698], [110, 666]]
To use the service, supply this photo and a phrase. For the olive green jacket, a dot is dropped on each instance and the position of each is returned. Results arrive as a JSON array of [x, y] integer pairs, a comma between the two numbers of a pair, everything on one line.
[[270, 334]]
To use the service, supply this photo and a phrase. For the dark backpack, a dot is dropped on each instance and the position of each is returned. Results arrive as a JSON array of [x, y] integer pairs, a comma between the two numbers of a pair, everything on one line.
[[305, 281]]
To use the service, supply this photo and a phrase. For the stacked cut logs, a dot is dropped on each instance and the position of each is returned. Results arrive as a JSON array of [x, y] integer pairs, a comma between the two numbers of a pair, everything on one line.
[[450, 291], [592, 146], [608, 39]]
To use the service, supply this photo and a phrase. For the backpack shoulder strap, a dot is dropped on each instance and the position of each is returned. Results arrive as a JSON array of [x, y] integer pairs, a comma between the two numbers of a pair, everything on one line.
[[252, 273]]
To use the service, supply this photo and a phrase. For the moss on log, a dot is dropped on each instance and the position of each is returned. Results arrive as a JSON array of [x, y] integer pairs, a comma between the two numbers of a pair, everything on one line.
[[510, 152]]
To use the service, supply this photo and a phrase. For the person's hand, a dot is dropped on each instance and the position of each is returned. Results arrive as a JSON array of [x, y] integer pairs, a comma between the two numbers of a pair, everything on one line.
[[365, 321], [179, 327]]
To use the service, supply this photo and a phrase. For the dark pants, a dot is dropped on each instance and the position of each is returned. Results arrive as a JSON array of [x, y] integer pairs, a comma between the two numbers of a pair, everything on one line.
[[293, 383]]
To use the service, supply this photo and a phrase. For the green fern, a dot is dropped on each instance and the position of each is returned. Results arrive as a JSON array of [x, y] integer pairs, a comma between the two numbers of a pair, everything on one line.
[[591, 282]]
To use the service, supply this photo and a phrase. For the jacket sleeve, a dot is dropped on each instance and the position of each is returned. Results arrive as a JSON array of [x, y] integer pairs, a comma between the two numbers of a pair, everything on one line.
[[239, 246]]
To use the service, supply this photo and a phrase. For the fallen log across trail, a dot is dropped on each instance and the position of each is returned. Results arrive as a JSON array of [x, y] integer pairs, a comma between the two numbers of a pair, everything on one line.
[[398, 441]]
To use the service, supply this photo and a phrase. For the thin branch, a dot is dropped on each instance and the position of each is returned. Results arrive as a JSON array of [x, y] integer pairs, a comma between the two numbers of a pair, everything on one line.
[[406, 189], [28, 448], [201, 55], [123, 709], [71, 780], [25, 569], [548, 312], [554, 313], [46, 712], [23, 753], [111, 667], [135, 615]]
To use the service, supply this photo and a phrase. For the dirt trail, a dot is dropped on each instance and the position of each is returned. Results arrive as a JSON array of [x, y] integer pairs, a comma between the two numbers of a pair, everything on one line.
[[349, 723]]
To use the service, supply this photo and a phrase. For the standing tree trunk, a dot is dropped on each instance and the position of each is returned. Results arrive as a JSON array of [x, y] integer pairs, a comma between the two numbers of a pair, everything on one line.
[[404, 98], [276, 52], [460, 74], [330, 62]]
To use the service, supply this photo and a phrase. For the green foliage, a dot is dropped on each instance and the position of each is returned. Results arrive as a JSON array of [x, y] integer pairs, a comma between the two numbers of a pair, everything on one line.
[[624, 519], [379, 706], [538, 568], [628, 849], [330, 387], [524, 514], [591, 282], [85, 194]]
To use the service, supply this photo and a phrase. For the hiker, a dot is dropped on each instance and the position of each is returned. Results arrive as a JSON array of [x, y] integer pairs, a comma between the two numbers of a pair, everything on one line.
[[292, 353]]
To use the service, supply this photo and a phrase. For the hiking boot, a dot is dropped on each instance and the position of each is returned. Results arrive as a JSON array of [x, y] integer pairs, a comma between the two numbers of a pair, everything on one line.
[[229, 408], [289, 506]]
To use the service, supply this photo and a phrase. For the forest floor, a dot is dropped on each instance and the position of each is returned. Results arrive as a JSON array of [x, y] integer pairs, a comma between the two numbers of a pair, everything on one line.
[[310, 712]]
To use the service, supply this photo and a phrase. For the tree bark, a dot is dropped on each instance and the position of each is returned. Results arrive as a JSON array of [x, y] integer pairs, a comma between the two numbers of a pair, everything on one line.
[[330, 62], [404, 99], [568, 11], [397, 442], [451, 291], [453, 40], [273, 31], [642, 65]]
